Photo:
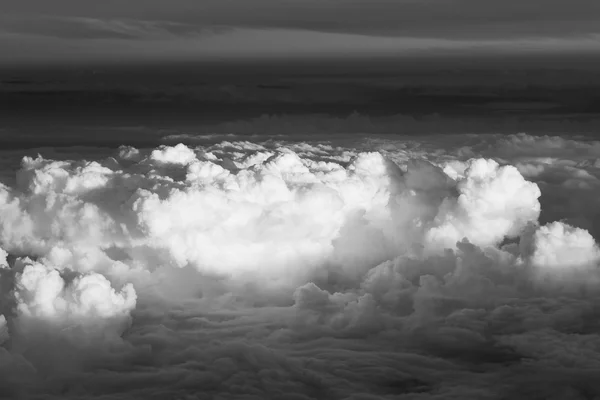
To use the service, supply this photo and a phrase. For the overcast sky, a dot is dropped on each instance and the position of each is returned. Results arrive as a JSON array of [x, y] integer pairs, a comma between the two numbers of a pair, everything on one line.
[[38, 31]]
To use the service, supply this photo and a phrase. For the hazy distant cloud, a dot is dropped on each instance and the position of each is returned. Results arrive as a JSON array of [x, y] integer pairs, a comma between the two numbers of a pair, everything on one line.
[[431, 18], [124, 43], [94, 28], [36, 31]]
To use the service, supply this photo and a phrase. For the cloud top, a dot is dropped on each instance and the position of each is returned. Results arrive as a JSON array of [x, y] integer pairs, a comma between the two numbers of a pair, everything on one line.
[[310, 269]]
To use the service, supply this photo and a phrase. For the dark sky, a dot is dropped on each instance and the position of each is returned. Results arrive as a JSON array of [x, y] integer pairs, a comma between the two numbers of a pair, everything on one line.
[[72, 31]]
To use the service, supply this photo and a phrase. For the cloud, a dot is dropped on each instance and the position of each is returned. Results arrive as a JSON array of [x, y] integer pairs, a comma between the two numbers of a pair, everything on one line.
[[309, 127], [563, 256], [178, 155], [48, 301], [43, 293], [346, 267], [76, 34], [494, 203], [432, 18], [558, 246], [80, 28]]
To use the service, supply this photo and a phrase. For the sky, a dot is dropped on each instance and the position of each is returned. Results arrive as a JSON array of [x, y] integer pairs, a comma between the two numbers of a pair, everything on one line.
[[69, 31], [344, 230]]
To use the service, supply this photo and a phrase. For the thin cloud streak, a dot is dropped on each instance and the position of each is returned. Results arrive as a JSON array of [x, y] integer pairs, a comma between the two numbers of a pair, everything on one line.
[[85, 40], [432, 18], [79, 28], [292, 28]]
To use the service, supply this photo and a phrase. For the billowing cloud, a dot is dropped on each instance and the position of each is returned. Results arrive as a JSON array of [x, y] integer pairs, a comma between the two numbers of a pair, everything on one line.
[[43, 293], [494, 203], [63, 303], [558, 246], [360, 268]]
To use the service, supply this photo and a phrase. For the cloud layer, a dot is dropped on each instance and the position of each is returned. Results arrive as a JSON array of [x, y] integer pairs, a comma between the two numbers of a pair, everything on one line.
[[380, 269], [79, 32], [434, 18]]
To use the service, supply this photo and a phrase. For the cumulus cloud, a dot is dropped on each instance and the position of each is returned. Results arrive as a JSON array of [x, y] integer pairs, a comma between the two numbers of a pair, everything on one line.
[[562, 256], [494, 202], [42, 293], [42, 301], [300, 269], [178, 155], [558, 245]]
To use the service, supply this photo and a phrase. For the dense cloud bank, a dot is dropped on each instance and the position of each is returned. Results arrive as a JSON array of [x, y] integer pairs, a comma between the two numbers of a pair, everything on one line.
[[378, 269]]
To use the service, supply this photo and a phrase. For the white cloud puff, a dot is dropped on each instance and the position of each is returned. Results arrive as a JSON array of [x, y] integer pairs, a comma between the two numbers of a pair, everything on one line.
[[562, 256], [48, 300], [493, 202], [558, 245], [42, 293], [177, 155]]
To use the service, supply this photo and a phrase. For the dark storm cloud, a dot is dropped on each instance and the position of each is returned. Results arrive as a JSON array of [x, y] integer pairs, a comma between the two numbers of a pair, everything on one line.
[[430, 18]]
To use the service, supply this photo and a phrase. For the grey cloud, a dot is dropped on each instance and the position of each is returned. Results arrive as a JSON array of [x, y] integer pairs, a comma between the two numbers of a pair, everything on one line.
[[94, 28], [432, 18]]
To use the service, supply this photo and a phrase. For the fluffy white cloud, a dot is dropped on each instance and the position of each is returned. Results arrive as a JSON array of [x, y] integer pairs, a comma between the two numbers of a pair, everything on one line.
[[493, 202], [42, 293], [307, 270], [562, 256], [560, 246], [177, 155], [72, 305]]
